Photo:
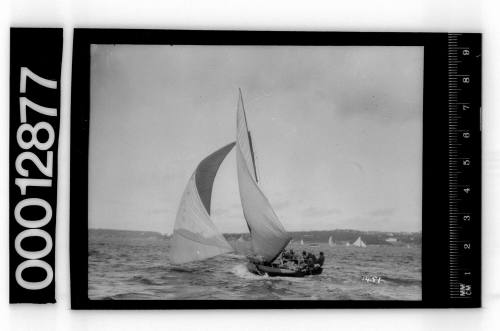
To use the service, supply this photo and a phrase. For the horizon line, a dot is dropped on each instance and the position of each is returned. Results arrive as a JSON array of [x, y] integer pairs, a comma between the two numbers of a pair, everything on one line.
[[345, 229]]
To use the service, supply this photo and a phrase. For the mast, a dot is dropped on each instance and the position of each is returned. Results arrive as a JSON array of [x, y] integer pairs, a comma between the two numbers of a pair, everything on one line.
[[253, 155], [249, 137]]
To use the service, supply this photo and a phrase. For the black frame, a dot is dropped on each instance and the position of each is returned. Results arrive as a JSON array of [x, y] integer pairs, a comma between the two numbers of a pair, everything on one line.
[[435, 159]]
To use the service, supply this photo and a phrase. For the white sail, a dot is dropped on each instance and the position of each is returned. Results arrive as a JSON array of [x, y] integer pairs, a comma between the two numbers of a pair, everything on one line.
[[268, 234], [301, 242], [330, 242], [195, 236], [359, 243]]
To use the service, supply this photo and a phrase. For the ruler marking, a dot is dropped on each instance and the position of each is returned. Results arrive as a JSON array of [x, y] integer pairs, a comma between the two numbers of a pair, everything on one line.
[[459, 187]]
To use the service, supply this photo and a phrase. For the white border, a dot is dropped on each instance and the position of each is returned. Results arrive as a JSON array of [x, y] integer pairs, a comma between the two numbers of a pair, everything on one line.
[[348, 15]]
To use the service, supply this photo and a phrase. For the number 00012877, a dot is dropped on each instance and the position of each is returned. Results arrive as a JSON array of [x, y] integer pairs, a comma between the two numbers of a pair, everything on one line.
[[27, 138]]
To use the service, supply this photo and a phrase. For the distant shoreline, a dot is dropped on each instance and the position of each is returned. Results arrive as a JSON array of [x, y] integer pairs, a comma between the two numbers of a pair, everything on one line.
[[339, 236], [243, 233]]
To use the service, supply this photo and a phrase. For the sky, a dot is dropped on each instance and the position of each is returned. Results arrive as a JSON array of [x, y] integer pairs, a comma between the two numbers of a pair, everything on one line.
[[337, 133]]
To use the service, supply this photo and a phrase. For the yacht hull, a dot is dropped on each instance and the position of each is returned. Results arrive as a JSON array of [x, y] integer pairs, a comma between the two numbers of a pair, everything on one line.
[[271, 271]]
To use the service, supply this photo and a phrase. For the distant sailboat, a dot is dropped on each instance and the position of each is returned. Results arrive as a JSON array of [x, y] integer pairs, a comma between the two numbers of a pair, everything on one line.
[[359, 243], [301, 242], [330, 242], [347, 244]]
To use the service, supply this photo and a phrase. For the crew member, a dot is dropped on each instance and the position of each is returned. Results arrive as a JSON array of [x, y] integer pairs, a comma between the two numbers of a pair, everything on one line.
[[311, 260], [321, 259], [292, 256]]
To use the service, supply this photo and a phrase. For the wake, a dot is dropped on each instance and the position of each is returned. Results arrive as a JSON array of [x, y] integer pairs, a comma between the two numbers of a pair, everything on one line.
[[241, 271]]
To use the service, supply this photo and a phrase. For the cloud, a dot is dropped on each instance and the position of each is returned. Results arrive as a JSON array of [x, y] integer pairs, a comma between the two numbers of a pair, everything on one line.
[[281, 204], [386, 84], [159, 211], [320, 212], [236, 205], [382, 212], [221, 211], [232, 211], [366, 223]]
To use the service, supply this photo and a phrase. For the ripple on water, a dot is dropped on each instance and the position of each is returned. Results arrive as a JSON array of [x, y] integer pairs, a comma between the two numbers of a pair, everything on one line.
[[120, 270]]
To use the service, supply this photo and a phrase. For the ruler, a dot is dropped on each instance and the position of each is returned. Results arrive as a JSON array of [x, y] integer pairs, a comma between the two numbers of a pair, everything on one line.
[[464, 167]]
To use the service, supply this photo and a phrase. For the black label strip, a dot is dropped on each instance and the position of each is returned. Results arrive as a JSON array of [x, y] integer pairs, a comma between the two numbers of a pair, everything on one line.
[[35, 74]]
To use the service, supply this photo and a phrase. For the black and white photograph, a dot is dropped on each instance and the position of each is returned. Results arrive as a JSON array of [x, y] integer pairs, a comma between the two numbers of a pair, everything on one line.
[[243, 165], [255, 172]]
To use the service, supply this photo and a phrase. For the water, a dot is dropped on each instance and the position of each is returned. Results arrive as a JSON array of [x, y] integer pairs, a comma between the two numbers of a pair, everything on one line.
[[137, 268]]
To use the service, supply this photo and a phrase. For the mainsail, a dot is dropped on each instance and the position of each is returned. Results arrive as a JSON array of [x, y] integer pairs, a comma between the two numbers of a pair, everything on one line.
[[268, 234], [195, 236], [359, 243], [330, 242]]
